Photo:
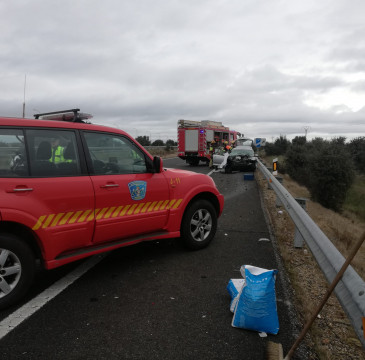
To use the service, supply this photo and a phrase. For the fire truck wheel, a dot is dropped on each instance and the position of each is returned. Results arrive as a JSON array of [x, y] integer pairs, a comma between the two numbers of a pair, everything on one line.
[[199, 225], [194, 162], [17, 268]]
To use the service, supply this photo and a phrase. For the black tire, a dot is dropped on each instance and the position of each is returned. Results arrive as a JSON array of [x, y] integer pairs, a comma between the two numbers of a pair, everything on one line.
[[194, 162], [17, 268], [228, 169], [199, 225]]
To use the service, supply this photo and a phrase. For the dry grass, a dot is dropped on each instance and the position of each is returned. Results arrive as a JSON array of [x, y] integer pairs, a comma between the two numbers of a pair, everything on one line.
[[332, 335], [355, 198], [342, 231], [162, 153]]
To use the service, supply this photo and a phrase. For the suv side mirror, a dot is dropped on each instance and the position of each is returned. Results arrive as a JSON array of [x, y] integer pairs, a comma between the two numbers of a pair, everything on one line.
[[157, 164]]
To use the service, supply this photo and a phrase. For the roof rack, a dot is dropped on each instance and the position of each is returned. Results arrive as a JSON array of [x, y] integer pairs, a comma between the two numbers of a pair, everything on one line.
[[72, 115]]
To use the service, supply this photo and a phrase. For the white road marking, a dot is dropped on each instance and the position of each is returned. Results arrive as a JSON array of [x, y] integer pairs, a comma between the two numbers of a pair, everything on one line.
[[214, 171], [28, 309]]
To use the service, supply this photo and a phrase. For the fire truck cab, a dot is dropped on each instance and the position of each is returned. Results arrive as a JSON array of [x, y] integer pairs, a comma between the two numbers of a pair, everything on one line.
[[195, 138]]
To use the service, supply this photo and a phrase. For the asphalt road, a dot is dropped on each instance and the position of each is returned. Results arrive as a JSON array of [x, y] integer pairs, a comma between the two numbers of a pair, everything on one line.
[[156, 300]]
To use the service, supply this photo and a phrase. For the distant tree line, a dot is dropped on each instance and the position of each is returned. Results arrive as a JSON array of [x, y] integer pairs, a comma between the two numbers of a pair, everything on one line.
[[326, 167], [145, 141]]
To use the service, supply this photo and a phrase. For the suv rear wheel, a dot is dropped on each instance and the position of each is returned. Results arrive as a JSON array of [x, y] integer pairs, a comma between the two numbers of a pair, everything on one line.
[[199, 225], [17, 268]]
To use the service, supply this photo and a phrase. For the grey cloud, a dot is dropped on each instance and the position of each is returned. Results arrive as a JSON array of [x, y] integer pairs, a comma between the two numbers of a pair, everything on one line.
[[142, 66], [270, 79]]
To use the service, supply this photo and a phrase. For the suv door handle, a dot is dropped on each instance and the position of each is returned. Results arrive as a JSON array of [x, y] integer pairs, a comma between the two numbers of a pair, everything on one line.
[[109, 186], [19, 190]]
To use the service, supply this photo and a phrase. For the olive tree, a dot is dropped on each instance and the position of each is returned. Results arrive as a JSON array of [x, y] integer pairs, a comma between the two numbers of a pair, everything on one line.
[[330, 174]]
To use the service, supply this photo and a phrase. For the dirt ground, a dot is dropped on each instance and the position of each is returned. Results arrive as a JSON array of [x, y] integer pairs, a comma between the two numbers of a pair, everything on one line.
[[331, 336]]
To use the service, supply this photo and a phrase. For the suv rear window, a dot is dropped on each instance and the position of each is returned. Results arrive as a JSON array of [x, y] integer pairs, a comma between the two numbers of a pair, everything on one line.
[[53, 153], [38, 153]]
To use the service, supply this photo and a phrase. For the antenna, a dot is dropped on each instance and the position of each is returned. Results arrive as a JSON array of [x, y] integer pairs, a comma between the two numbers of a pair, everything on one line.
[[25, 82], [306, 129]]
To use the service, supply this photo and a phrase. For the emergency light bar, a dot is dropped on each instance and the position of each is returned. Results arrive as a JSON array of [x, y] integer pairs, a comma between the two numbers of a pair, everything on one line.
[[72, 115]]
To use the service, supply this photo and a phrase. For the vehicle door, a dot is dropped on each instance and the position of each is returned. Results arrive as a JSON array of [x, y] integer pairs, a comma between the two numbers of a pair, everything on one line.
[[218, 157], [129, 199], [53, 198]]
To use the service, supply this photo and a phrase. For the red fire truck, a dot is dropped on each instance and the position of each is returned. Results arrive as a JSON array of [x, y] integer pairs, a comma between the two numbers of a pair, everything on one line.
[[195, 138]]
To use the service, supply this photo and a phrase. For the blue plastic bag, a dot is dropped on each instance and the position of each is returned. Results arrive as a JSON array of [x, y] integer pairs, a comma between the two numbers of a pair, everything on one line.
[[234, 288], [256, 308]]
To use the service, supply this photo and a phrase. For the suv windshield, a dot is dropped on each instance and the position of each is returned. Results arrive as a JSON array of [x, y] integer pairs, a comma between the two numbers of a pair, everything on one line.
[[247, 152]]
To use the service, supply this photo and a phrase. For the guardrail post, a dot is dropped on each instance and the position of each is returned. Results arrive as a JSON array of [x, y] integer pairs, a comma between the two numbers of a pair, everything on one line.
[[268, 180], [298, 238], [277, 201]]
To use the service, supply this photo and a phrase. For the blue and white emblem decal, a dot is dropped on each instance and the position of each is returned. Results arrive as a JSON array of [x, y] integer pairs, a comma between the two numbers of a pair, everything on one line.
[[137, 189]]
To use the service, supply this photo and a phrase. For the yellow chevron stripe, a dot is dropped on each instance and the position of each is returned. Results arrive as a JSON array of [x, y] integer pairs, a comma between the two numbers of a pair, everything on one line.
[[52, 220], [117, 211], [145, 207], [122, 213], [84, 215], [158, 205], [139, 208], [130, 212], [101, 213], [39, 222], [56, 219], [91, 216], [107, 215], [65, 218], [49, 219], [152, 206], [177, 204], [76, 215], [164, 204], [170, 204]]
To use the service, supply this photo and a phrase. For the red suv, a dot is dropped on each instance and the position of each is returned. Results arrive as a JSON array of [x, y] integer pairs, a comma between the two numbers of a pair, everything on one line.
[[70, 189]]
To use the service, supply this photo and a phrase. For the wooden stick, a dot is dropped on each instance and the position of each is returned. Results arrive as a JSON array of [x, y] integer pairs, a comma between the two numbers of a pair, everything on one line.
[[328, 294]]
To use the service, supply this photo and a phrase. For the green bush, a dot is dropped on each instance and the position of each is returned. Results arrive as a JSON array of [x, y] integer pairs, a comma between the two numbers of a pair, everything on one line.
[[324, 167], [331, 175], [357, 150], [279, 147], [296, 163]]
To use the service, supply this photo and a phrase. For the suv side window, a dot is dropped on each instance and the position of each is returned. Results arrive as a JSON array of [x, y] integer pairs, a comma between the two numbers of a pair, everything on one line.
[[114, 154], [13, 160], [53, 153]]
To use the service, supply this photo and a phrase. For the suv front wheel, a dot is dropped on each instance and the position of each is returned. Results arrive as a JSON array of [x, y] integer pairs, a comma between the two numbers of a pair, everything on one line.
[[17, 268], [199, 225]]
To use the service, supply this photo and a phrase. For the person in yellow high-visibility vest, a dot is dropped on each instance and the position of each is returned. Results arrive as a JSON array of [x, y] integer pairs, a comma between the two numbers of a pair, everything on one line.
[[211, 152], [135, 155], [57, 151]]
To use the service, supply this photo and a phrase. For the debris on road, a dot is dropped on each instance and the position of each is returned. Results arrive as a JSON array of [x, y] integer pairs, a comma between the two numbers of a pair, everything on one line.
[[254, 300]]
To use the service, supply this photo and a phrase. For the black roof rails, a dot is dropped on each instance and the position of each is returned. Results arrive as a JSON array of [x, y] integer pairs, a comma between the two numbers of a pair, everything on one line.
[[72, 115]]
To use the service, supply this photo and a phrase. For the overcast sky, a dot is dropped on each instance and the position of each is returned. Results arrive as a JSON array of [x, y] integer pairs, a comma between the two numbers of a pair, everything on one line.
[[262, 67]]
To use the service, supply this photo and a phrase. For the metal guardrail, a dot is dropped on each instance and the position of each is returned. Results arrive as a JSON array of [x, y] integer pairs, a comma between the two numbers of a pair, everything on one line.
[[350, 291]]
